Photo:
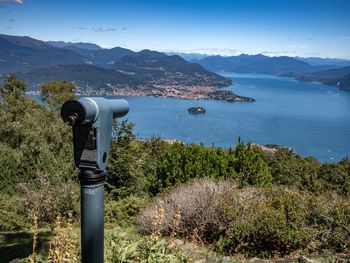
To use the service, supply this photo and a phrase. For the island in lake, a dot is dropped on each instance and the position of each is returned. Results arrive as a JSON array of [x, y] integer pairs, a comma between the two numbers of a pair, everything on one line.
[[196, 110]]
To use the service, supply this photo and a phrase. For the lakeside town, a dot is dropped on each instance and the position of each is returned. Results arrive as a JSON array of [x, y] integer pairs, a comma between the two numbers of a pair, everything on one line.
[[165, 91]]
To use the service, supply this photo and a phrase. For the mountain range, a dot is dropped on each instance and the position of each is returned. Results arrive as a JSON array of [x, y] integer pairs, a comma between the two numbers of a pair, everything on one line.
[[339, 77], [332, 72], [89, 65], [86, 64]]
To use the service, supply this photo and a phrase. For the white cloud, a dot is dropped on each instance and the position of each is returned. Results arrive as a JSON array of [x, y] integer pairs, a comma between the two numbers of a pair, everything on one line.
[[103, 29], [278, 53], [297, 46], [105, 46], [208, 51], [12, 1]]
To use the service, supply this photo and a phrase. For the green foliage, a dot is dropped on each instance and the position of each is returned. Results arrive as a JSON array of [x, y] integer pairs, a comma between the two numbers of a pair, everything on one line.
[[123, 212], [274, 222], [335, 177], [11, 215], [131, 162], [292, 170], [13, 86], [55, 93], [122, 246], [182, 162], [263, 222], [9, 163], [250, 166], [308, 174], [36, 154], [303, 205], [330, 217]]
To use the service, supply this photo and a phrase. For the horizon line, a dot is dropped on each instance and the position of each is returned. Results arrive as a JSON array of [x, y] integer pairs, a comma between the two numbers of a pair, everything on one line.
[[196, 52]]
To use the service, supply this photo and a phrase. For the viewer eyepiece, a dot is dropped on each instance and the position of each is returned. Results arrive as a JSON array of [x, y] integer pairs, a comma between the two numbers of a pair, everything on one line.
[[71, 119]]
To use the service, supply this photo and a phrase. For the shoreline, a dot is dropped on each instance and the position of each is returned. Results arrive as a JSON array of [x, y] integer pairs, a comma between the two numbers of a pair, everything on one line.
[[163, 91]]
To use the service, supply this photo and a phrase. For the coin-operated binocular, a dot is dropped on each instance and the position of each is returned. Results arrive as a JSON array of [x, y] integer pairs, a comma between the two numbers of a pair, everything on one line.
[[91, 119]]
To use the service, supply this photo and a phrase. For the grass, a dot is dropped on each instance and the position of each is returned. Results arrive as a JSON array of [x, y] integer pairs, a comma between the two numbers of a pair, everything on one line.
[[20, 244], [119, 242], [127, 243]]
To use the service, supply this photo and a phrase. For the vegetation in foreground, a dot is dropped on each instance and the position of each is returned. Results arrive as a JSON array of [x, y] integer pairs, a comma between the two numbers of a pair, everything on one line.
[[236, 201]]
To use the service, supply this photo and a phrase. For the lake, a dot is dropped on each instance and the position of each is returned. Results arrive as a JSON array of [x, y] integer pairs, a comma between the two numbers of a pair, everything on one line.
[[312, 118]]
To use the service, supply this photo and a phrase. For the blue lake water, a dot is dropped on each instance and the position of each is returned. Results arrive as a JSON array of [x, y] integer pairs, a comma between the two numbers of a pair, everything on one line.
[[312, 118]]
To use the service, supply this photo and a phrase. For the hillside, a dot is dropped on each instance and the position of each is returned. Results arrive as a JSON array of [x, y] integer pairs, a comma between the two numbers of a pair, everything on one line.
[[296, 205], [161, 69], [25, 53], [37, 61], [256, 64], [101, 57], [333, 77], [315, 61], [62, 44], [85, 76]]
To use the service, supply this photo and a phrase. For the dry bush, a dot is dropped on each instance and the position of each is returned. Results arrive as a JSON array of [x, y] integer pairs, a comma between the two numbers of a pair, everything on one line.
[[192, 209], [63, 245], [264, 222], [48, 199]]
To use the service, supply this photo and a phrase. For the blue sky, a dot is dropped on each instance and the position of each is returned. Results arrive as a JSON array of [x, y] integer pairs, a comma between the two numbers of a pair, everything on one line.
[[227, 27]]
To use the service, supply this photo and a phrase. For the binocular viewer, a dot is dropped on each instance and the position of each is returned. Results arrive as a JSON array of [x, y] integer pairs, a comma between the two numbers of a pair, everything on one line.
[[91, 119]]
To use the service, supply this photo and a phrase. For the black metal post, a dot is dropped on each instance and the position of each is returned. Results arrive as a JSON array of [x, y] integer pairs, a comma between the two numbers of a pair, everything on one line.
[[92, 215]]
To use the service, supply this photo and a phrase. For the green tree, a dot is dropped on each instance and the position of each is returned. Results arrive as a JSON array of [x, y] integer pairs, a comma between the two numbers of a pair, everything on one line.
[[13, 103], [250, 166], [290, 169], [55, 93], [35, 147], [132, 163], [335, 177]]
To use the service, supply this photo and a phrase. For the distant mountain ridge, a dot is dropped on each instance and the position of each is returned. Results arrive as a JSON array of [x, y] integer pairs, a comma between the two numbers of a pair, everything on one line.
[[299, 68], [25, 53], [256, 64], [333, 77], [115, 71], [315, 61], [83, 45]]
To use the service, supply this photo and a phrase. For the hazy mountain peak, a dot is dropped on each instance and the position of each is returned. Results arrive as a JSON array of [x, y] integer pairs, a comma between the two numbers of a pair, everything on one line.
[[82, 45], [23, 41]]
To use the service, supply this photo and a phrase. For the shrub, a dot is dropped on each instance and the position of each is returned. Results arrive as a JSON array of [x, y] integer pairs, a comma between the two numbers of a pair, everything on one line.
[[9, 163], [123, 246], [123, 211], [290, 169], [182, 162], [11, 214], [132, 162], [48, 199], [335, 177], [199, 206], [250, 166], [255, 222], [267, 222], [330, 217]]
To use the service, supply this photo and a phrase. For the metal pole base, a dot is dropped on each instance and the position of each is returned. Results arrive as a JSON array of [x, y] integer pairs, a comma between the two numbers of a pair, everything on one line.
[[92, 215]]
